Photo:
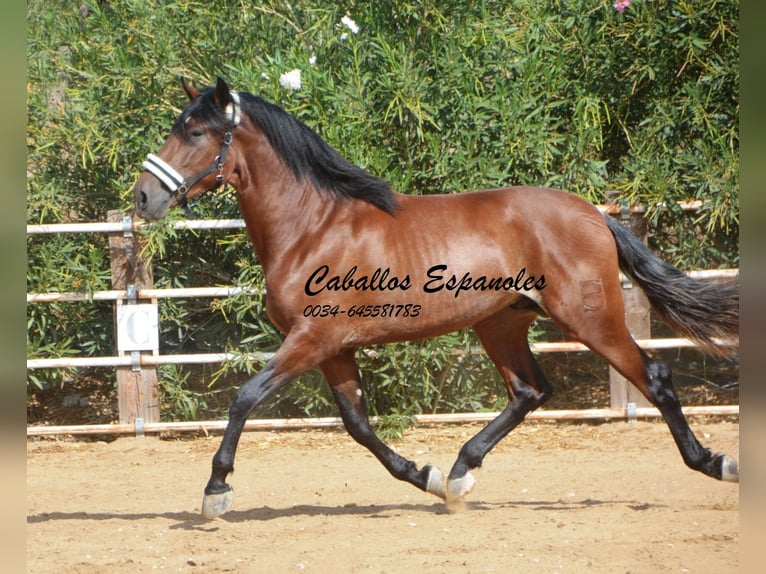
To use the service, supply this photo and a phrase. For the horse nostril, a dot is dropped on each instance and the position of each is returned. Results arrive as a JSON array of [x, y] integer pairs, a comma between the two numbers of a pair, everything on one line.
[[141, 200]]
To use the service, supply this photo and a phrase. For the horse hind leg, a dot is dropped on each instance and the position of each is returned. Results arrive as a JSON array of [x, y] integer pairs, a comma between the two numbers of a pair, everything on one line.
[[697, 457], [504, 337], [602, 329]]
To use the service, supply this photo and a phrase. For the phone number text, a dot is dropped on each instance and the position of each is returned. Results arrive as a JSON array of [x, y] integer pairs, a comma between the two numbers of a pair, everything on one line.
[[368, 311]]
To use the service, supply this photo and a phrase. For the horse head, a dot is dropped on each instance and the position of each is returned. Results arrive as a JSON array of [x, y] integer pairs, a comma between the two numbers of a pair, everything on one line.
[[193, 157]]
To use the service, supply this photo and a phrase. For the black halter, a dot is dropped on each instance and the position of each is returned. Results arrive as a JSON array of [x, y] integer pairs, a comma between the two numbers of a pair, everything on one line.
[[175, 182]]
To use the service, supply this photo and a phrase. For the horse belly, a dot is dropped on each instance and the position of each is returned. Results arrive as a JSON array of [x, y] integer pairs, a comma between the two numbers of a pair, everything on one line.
[[384, 319], [433, 318]]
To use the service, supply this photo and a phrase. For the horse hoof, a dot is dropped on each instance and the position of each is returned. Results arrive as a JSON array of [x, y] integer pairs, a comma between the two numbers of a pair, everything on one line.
[[457, 488], [435, 483], [729, 469], [214, 505]]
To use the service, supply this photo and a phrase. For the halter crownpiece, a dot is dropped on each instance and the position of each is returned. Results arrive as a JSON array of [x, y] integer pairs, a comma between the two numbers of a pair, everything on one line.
[[233, 109], [175, 182]]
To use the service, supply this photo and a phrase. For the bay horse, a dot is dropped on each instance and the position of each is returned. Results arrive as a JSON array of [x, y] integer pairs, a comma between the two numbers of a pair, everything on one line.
[[350, 262]]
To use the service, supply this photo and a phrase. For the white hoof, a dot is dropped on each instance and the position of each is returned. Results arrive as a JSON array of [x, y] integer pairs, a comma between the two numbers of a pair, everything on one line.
[[214, 505], [458, 488], [435, 484], [729, 469]]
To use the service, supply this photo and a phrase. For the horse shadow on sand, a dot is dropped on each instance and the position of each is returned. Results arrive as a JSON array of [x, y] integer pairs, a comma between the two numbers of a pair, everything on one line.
[[186, 520]]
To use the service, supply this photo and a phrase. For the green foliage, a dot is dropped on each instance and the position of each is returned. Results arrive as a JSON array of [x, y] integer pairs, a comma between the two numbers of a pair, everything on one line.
[[434, 96], [178, 399]]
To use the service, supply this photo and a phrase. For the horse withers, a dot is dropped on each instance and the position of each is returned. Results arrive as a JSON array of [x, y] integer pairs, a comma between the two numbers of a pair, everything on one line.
[[349, 262]]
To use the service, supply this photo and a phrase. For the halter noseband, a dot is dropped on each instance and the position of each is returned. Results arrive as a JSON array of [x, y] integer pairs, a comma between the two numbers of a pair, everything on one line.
[[175, 182]]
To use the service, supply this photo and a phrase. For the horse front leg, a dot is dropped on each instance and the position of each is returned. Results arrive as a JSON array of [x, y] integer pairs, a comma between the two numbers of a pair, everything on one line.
[[218, 494], [460, 481], [342, 375], [295, 356]]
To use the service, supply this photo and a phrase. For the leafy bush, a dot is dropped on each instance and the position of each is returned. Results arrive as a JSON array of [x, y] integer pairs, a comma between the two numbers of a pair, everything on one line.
[[435, 97]]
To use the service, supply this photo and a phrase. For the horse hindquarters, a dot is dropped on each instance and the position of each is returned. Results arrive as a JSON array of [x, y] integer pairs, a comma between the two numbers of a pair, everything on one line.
[[595, 316]]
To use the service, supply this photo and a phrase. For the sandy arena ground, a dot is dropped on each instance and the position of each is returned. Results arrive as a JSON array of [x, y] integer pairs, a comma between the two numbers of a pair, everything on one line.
[[612, 498]]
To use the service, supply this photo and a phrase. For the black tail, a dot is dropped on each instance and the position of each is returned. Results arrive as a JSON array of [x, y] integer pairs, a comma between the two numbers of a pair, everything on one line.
[[706, 311]]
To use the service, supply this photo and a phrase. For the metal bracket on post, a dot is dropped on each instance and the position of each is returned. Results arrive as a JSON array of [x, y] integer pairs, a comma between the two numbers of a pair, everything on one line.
[[624, 210], [127, 226], [625, 215], [139, 424], [135, 361], [132, 294], [630, 412]]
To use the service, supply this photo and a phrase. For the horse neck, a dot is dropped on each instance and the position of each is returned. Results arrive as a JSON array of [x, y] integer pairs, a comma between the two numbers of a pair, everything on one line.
[[282, 213]]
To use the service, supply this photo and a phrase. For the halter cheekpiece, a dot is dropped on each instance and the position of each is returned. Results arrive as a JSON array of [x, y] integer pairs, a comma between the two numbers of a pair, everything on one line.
[[175, 182]]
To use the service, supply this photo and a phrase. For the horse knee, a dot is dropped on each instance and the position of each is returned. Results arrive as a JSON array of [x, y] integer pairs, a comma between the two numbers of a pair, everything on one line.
[[354, 416], [360, 431], [255, 391], [238, 409], [243, 404]]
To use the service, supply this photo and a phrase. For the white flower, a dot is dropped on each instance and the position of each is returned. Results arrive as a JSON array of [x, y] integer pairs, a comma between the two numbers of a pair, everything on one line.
[[350, 24], [291, 80], [313, 59]]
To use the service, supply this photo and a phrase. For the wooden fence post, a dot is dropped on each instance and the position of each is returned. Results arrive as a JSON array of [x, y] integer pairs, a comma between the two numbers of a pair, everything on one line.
[[136, 327], [637, 318]]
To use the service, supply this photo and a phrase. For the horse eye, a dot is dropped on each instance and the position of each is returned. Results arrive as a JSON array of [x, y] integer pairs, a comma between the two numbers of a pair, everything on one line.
[[197, 132]]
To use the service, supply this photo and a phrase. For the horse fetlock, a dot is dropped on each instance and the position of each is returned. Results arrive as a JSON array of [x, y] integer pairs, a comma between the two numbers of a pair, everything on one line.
[[214, 505], [217, 487]]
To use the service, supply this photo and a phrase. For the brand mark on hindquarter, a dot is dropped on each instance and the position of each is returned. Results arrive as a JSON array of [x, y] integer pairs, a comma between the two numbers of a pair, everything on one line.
[[592, 292]]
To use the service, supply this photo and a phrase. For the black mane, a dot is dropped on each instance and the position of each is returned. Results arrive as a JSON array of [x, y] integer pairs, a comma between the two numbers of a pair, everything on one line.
[[302, 150]]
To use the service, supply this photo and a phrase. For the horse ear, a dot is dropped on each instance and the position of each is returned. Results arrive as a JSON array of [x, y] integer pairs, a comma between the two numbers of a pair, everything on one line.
[[190, 90], [222, 95]]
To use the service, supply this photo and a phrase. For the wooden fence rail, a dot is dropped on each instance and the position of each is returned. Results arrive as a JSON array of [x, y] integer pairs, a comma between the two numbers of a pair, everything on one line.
[[136, 318]]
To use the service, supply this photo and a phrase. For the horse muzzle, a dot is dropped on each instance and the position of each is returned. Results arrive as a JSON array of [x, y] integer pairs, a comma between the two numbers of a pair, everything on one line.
[[152, 200]]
